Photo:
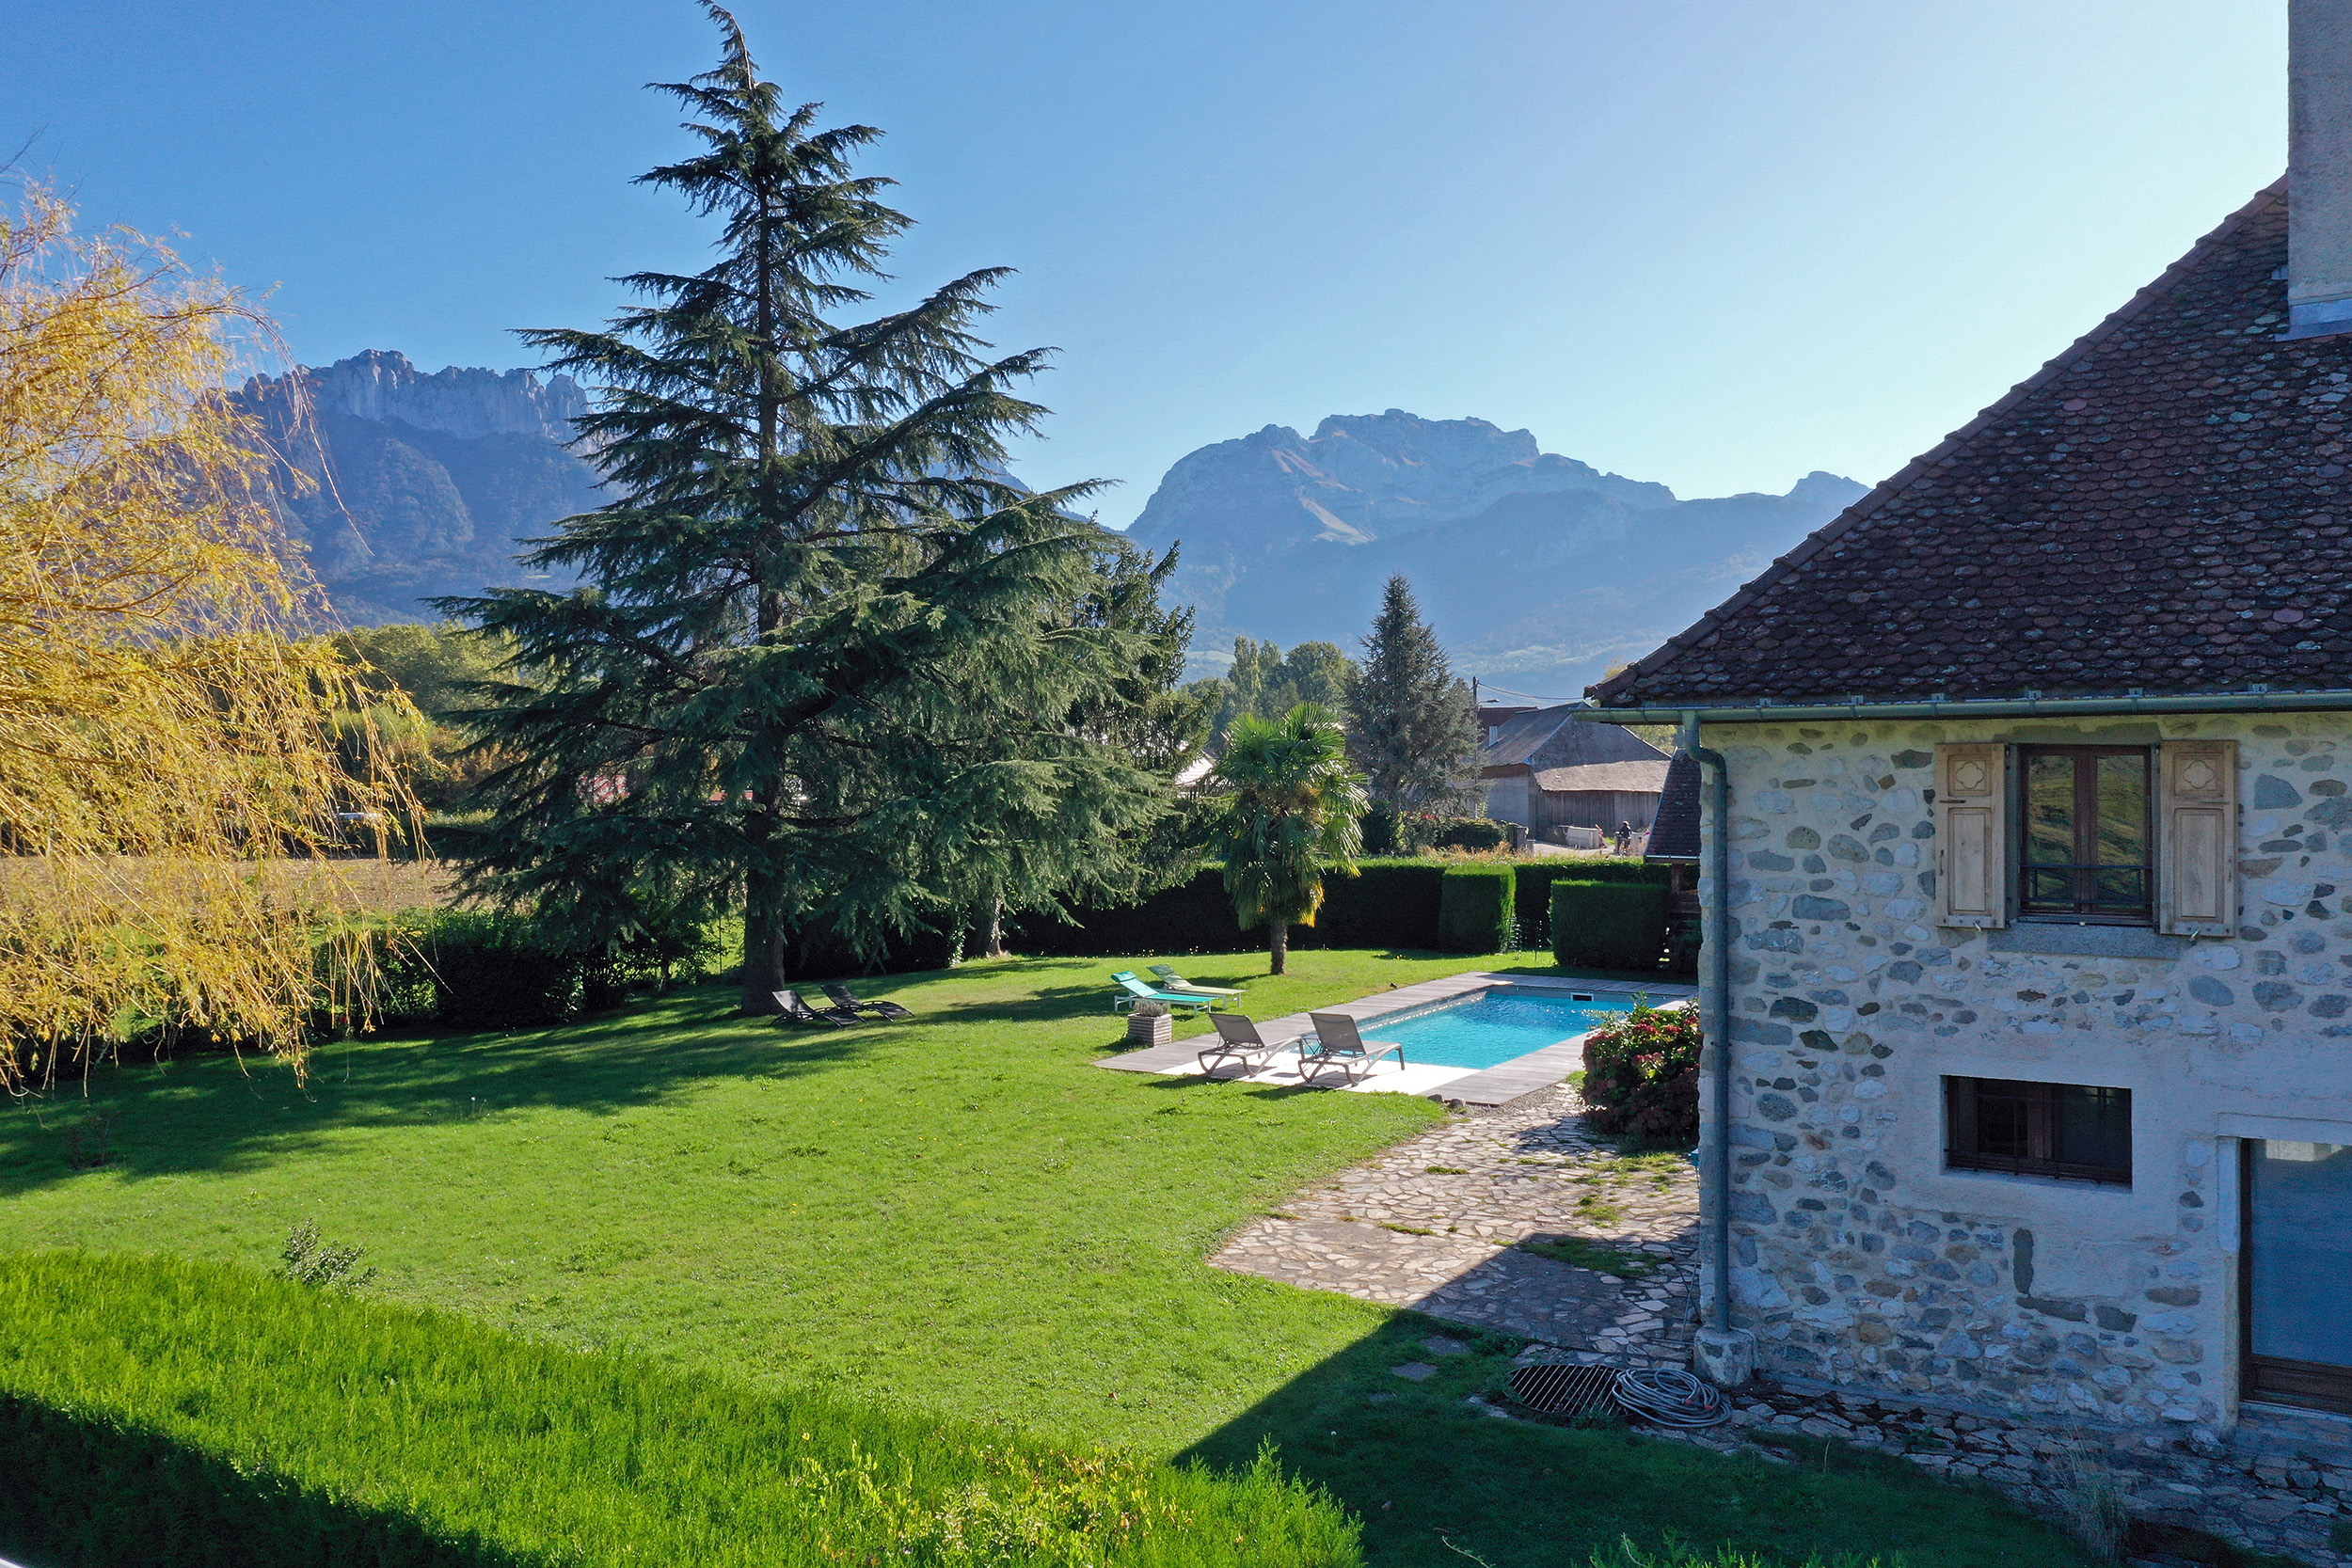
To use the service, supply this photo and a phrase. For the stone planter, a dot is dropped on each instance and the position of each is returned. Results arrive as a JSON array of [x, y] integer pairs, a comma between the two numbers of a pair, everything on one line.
[[1144, 1030]]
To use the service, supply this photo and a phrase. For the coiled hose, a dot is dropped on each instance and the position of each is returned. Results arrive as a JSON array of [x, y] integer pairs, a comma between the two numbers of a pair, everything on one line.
[[1673, 1398]]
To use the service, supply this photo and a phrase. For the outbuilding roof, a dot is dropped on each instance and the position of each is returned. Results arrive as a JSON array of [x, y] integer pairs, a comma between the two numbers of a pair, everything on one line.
[[1629, 778], [2164, 508], [1550, 737]]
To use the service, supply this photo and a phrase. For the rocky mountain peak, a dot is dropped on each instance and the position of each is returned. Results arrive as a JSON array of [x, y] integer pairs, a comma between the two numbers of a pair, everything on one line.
[[381, 384]]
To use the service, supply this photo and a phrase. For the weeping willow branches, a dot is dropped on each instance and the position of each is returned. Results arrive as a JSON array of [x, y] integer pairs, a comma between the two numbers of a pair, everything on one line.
[[164, 740]]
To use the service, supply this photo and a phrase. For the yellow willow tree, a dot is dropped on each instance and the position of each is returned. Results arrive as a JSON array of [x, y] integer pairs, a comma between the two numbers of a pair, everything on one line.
[[165, 746]]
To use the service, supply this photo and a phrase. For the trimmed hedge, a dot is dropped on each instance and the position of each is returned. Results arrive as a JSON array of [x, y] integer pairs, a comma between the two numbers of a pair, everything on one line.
[[1477, 908], [1597, 924], [1642, 1074], [1391, 903], [1537, 874], [162, 1412]]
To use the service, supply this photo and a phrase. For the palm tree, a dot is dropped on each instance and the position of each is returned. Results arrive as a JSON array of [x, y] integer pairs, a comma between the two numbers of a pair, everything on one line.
[[1289, 809]]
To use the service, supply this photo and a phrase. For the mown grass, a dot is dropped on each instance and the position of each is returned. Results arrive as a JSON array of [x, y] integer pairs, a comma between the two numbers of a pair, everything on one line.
[[956, 1215], [281, 1413]]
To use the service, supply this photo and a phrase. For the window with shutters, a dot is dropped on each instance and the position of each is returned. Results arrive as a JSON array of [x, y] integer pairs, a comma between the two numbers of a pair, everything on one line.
[[2121, 835], [2086, 850]]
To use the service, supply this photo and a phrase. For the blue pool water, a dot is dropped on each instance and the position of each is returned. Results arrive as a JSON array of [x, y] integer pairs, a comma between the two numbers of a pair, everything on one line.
[[1489, 1028]]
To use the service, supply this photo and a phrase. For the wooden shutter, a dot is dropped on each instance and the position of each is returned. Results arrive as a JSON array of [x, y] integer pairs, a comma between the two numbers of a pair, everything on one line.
[[2197, 837], [1972, 835]]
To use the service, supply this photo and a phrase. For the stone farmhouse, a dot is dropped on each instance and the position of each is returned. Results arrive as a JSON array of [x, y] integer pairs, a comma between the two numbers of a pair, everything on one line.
[[1544, 770], [2026, 869]]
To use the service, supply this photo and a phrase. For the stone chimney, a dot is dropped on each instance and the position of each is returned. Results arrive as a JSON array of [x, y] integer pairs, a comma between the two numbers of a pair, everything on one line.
[[2319, 167]]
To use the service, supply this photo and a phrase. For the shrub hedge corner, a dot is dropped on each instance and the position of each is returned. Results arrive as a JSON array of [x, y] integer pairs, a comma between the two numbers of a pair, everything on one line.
[[1477, 908], [1597, 924]]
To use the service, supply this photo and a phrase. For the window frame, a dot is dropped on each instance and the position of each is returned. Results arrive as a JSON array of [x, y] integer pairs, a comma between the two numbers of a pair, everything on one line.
[[2020, 869], [2040, 1105]]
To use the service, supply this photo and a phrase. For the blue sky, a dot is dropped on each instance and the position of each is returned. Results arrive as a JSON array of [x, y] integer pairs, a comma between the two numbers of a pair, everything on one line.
[[1710, 243]]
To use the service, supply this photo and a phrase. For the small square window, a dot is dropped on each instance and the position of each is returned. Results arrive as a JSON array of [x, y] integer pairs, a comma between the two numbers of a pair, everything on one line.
[[2065, 1131]]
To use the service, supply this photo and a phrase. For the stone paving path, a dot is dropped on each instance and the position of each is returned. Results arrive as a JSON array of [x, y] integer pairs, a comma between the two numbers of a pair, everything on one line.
[[1433, 1225]]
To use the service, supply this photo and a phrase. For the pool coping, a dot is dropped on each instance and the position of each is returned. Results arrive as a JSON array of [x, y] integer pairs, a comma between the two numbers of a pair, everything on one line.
[[1484, 1089]]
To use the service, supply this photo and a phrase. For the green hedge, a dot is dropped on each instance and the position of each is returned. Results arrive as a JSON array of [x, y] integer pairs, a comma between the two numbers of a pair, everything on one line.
[[1537, 874], [1477, 911], [1597, 924], [160, 1413], [1391, 903], [1470, 832]]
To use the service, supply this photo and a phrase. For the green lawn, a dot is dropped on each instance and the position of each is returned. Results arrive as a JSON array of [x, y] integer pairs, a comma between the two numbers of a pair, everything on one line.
[[957, 1214]]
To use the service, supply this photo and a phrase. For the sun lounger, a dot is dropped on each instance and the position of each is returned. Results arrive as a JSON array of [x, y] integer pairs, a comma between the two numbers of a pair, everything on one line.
[[1134, 990], [1237, 1039], [1170, 980], [839, 996], [1336, 1043], [797, 1011]]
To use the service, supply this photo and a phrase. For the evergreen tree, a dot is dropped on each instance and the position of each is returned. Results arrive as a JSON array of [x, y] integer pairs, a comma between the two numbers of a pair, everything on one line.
[[1288, 810], [829, 666], [1411, 724]]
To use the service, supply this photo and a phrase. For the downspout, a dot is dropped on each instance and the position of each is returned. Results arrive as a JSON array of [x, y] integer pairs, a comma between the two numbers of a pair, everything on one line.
[[1726, 1355]]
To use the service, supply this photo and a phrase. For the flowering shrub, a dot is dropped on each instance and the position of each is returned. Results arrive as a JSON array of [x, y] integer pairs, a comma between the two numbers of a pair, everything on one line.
[[1642, 1074]]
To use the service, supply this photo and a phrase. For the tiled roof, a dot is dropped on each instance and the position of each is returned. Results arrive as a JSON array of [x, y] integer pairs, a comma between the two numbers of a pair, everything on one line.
[[2164, 507], [1631, 778], [1551, 737], [1673, 833]]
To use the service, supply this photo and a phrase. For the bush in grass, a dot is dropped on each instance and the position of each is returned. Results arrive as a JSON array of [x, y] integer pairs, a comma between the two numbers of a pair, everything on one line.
[[1476, 908], [165, 1413], [1642, 1074], [1597, 924], [499, 971]]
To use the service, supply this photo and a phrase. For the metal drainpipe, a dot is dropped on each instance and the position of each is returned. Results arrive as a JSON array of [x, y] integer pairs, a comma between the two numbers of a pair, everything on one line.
[[1716, 1020]]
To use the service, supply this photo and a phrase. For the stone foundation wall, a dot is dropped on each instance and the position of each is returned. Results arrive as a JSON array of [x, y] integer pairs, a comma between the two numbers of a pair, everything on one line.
[[1857, 1257]]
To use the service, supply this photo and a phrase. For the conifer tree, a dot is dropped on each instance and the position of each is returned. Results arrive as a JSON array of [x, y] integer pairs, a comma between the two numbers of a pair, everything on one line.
[[1410, 724], [828, 665]]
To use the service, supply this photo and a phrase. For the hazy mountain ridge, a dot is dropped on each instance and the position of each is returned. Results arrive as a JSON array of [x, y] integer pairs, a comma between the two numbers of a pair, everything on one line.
[[1538, 571], [421, 484]]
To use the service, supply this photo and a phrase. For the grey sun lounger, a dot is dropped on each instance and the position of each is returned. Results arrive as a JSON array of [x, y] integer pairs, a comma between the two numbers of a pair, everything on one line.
[[797, 1011], [1336, 1043], [839, 996], [1237, 1039]]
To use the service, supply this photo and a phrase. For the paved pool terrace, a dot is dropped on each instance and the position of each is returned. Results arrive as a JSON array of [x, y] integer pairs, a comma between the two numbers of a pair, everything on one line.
[[1465, 1087]]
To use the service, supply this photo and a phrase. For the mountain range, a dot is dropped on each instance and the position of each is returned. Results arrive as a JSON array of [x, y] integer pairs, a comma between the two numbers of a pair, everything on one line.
[[402, 485], [1538, 571]]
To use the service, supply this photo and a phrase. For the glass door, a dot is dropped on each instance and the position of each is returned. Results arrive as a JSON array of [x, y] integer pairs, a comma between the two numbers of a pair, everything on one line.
[[2298, 1274]]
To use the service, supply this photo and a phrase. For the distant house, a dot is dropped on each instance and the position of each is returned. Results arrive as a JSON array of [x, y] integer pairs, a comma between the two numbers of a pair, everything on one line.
[[1543, 770], [2030, 945]]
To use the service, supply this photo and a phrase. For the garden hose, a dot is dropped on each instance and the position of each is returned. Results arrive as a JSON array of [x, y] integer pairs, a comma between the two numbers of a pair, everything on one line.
[[1673, 1398]]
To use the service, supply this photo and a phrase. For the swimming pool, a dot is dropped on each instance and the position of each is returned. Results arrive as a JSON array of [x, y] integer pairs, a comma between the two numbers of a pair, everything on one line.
[[1490, 1027]]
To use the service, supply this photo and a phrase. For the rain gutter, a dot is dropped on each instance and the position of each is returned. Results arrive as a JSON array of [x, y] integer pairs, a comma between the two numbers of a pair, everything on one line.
[[2259, 700], [1715, 1011]]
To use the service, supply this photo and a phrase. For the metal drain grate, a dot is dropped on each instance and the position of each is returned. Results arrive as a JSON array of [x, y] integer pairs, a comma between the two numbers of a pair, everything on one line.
[[1566, 1390]]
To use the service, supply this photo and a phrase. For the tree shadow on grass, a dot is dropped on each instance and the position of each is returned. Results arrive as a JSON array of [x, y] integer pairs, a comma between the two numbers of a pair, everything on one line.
[[219, 1112], [102, 1493], [1436, 1477]]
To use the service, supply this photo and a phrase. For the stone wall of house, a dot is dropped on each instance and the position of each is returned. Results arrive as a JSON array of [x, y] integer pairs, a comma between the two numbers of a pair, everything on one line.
[[1857, 1257]]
